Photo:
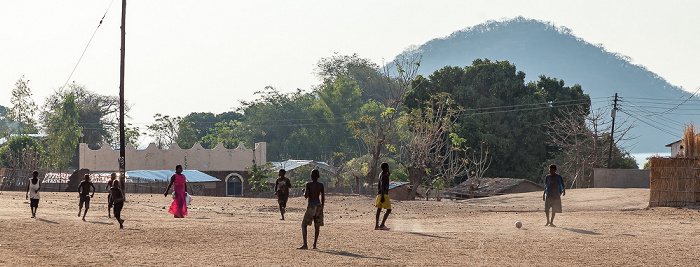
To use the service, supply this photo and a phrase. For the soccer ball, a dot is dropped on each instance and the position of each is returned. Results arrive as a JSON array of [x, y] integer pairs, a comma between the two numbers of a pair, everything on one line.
[[518, 224]]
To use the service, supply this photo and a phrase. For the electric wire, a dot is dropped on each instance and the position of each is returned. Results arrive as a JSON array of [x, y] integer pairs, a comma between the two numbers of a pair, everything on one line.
[[86, 46]]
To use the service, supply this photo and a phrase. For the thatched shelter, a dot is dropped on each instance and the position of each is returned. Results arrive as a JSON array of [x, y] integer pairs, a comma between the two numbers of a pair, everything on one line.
[[674, 182], [493, 187]]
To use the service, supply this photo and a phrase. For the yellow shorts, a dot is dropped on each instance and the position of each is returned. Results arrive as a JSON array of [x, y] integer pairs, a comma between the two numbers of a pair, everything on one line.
[[385, 205]]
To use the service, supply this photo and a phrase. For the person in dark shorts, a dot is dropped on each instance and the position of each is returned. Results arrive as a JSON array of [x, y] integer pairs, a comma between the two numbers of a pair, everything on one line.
[[33, 187], [282, 186], [383, 200], [314, 210], [118, 199], [553, 189], [110, 202], [84, 195]]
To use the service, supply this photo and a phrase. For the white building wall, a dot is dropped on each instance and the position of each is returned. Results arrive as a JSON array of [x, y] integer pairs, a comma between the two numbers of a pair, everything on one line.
[[152, 158]]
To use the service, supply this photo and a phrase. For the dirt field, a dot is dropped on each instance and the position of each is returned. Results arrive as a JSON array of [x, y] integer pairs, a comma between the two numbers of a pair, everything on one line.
[[610, 227]]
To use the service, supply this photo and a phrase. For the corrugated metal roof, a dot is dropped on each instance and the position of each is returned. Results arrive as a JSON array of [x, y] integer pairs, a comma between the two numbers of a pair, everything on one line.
[[192, 175], [296, 163], [393, 185]]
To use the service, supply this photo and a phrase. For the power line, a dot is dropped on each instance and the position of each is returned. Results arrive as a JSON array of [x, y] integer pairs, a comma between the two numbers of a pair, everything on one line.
[[86, 46]]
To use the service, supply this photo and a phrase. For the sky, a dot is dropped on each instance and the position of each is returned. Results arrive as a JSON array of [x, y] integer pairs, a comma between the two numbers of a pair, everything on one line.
[[207, 56]]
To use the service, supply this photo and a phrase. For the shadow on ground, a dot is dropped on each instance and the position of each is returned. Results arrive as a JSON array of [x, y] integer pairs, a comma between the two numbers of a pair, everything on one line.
[[581, 231], [348, 254]]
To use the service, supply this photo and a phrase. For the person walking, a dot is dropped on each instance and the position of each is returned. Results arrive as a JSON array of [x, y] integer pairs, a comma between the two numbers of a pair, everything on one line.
[[110, 201], [314, 209], [33, 187], [553, 190], [179, 206], [383, 200]]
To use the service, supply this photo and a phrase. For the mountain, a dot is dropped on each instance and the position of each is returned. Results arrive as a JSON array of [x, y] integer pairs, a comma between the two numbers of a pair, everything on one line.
[[540, 48]]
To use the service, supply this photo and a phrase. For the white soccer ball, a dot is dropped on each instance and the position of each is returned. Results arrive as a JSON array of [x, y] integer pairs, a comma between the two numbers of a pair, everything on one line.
[[518, 224]]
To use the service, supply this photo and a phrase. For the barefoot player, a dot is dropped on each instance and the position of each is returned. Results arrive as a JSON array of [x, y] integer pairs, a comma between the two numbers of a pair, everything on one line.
[[118, 198], [314, 211], [110, 202], [383, 197], [33, 187], [282, 186], [84, 195], [553, 189]]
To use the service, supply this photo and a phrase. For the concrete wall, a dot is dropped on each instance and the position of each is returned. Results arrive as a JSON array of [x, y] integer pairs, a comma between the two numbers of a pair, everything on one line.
[[620, 178], [152, 158]]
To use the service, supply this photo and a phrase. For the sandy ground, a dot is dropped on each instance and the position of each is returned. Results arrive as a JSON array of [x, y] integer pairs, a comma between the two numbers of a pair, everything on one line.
[[610, 227]]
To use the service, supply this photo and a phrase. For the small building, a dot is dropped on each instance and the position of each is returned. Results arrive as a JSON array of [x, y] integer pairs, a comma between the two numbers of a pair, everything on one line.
[[199, 183], [676, 148], [493, 187], [400, 190]]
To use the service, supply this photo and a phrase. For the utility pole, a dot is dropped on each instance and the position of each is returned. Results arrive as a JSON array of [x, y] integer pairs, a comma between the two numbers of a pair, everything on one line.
[[122, 138], [612, 141]]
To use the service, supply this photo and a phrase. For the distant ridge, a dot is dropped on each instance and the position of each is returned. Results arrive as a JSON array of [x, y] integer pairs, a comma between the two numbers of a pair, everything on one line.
[[541, 48]]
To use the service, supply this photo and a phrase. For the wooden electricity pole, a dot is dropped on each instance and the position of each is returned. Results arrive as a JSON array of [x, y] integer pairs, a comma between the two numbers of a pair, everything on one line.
[[612, 131], [122, 138]]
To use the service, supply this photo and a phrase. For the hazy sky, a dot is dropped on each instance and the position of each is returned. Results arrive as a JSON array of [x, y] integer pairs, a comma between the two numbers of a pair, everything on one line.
[[195, 56]]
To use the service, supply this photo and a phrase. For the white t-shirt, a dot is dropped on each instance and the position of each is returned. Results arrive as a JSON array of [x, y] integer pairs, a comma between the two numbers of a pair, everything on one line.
[[33, 189]]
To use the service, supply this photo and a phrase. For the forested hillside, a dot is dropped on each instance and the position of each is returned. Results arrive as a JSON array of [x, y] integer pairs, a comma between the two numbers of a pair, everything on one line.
[[540, 48]]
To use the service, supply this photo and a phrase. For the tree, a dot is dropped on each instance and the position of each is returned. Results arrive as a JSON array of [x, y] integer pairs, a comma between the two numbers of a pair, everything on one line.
[[164, 130], [360, 71], [377, 125], [583, 144], [259, 174], [97, 114], [338, 103], [22, 152], [230, 134], [23, 107], [64, 131], [283, 120], [501, 112], [197, 125], [428, 145]]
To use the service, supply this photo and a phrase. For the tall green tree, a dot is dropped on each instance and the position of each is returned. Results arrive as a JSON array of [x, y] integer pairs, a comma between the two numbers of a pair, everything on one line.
[[164, 130], [98, 114], [283, 121], [197, 125], [377, 125], [230, 134], [64, 131], [23, 107], [339, 102], [22, 152], [501, 111], [363, 72]]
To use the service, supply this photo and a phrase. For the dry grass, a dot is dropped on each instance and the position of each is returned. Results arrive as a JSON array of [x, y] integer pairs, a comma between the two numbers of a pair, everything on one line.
[[609, 227]]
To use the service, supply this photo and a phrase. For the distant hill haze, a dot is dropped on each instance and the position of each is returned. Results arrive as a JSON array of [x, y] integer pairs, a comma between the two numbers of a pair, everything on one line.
[[540, 48]]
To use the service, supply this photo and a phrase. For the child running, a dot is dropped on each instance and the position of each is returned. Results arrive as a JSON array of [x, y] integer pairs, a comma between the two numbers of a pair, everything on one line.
[[314, 211], [282, 186], [383, 200], [110, 202], [117, 197], [84, 195], [33, 187]]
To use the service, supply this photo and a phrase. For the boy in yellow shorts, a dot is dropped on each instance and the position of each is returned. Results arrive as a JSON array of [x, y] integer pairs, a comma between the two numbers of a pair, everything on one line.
[[383, 197]]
